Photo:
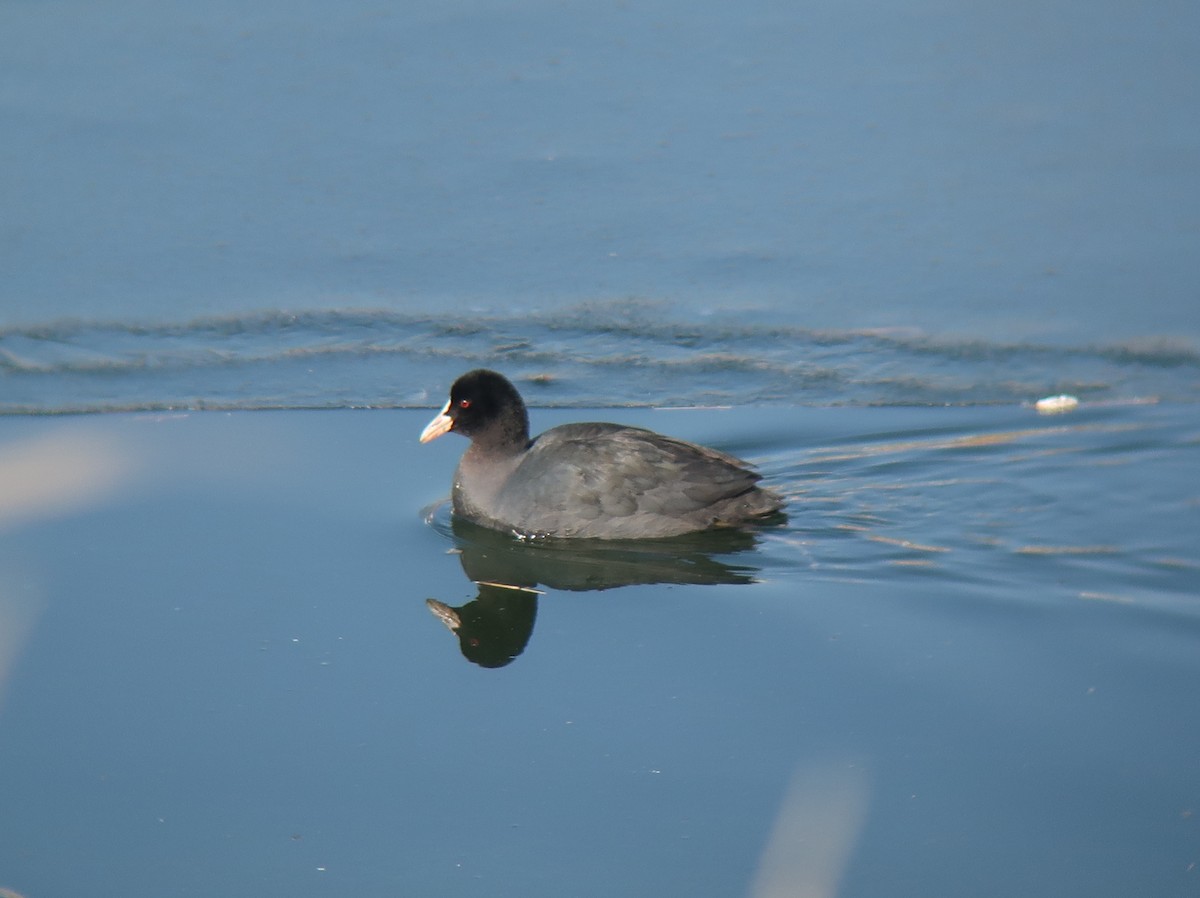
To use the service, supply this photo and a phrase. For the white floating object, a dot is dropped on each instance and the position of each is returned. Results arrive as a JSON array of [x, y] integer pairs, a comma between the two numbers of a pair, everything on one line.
[[1056, 405]]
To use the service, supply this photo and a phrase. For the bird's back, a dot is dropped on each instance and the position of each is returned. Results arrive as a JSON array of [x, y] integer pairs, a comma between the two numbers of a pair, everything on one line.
[[609, 481]]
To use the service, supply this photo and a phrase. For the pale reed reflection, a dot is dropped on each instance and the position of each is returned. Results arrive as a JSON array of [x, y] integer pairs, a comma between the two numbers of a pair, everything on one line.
[[57, 474], [41, 478], [815, 832], [19, 601]]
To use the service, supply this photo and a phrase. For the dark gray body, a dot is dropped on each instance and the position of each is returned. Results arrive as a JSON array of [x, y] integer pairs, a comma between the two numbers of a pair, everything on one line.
[[607, 481]]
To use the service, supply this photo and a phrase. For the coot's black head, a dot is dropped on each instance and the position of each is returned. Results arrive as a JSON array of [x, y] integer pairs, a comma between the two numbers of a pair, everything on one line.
[[486, 407]]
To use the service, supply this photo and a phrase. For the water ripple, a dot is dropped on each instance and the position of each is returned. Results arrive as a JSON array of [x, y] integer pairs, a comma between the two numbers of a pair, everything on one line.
[[629, 353]]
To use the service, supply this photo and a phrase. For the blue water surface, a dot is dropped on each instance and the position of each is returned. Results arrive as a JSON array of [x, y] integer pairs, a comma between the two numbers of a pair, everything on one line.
[[964, 665], [1013, 170], [249, 242]]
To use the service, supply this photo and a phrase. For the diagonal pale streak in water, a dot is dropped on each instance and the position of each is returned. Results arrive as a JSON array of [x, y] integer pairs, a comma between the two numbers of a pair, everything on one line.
[[815, 831], [39, 478]]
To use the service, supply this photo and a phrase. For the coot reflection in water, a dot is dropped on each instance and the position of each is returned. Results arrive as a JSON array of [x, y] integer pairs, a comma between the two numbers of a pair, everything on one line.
[[495, 627]]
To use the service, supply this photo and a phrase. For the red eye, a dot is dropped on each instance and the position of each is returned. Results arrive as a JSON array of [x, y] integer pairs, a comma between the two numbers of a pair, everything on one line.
[[464, 403]]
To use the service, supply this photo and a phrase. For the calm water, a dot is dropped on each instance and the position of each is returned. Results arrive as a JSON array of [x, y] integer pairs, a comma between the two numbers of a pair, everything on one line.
[[966, 665], [866, 237], [1016, 169]]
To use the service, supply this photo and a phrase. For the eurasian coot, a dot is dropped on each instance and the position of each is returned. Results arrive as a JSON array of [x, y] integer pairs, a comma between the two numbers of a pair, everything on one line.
[[601, 481]]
